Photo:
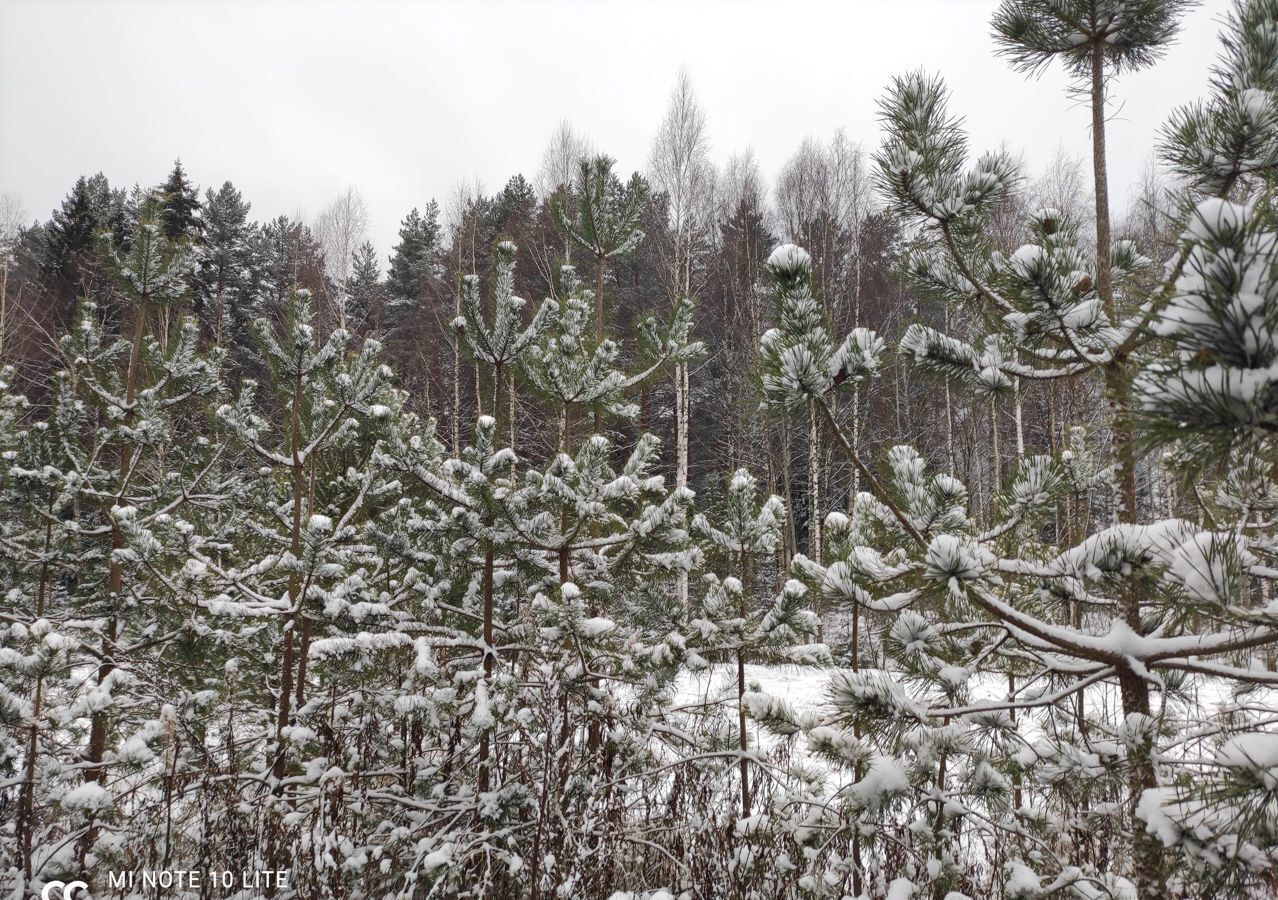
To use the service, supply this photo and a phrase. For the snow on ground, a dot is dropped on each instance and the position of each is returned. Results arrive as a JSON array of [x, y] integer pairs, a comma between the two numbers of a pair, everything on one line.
[[806, 689]]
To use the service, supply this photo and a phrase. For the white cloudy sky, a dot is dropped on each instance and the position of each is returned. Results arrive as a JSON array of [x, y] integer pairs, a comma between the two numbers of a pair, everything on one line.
[[294, 100]]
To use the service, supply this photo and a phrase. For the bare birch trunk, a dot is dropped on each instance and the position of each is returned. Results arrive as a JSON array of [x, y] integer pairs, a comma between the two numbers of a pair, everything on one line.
[[681, 453], [814, 486], [456, 382]]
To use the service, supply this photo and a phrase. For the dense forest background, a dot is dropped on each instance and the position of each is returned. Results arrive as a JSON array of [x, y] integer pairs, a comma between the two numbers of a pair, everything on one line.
[[706, 234], [904, 528]]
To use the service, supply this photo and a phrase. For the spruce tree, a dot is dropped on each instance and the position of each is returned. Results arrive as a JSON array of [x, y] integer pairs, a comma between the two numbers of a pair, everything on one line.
[[226, 273], [368, 293], [68, 251], [513, 207], [180, 202]]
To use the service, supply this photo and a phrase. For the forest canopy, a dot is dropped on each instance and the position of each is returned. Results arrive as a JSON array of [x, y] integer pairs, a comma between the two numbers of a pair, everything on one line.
[[909, 530]]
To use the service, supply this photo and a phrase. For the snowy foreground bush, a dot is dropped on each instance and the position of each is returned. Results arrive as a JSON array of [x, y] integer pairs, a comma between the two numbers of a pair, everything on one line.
[[278, 624]]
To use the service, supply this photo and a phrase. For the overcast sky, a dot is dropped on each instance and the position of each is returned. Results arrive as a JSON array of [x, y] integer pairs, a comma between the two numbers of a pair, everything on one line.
[[292, 101]]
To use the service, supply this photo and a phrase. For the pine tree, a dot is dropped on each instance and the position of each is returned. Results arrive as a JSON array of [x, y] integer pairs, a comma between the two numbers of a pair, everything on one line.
[[585, 543], [911, 545], [312, 434], [606, 221], [1212, 400], [501, 341], [747, 536], [415, 261], [103, 487], [579, 374], [226, 273]]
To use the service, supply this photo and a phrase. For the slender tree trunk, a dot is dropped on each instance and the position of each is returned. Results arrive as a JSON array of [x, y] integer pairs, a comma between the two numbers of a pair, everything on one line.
[[856, 388], [996, 480], [1147, 868], [26, 802], [304, 640], [4, 303], [743, 734], [599, 301], [94, 771], [496, 413], [1020, 419], [814, 485], [457, 369], [938, 823], [681, 453], [1017, 795], [485, 776], [791, 535], [565, 426], [856, 437], [599, 322], [284, 710], [856, 731], [511, 412], [949, 415], [1104, 272]]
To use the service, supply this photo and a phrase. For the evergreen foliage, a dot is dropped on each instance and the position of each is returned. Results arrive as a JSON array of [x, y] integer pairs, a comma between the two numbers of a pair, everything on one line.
[[443, 617]]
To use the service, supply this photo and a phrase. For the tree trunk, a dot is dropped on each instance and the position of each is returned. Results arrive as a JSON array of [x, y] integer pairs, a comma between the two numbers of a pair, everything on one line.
[[856, 731], [1104, 274], [457, 369], [485, 777], [599, 322], [94, 771], [743, 735], [294, 580], [996, 480], [1146, 849], [496, 413], [681, 453], [4, 299], [1020, 419], [949, 415], [511, 409], [26, 802], [856, 438], [814, 486]]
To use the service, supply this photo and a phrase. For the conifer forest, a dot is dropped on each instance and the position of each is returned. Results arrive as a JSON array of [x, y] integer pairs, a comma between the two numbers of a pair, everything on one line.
[[904, 525]]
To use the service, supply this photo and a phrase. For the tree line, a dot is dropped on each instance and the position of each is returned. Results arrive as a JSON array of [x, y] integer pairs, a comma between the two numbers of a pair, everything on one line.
[[466, 578]]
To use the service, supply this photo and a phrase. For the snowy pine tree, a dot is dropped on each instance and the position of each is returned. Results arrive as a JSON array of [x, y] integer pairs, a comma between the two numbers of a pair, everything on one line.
[[107, 496], [1001, 598], [606, 221]]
